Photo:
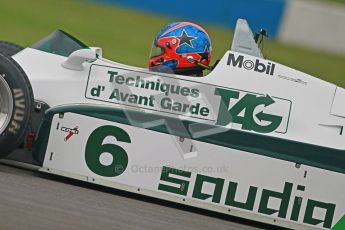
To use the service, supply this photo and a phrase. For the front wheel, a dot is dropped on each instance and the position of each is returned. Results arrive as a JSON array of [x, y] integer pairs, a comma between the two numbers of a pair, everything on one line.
[[16, 104], [9, 48]]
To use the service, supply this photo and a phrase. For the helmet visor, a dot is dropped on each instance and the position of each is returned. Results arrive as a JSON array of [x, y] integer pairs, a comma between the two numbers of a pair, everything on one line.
[[156, 51]]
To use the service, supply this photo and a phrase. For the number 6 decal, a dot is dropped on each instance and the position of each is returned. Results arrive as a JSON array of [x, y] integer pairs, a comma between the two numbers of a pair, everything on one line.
[[95, 148]]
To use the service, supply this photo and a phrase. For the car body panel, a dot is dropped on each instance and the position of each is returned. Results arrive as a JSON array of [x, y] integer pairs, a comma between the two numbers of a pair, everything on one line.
[[151, 159]]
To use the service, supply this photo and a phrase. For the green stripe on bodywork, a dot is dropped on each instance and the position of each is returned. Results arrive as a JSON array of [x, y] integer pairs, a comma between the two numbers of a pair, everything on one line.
[[298, 152], [340, 225]]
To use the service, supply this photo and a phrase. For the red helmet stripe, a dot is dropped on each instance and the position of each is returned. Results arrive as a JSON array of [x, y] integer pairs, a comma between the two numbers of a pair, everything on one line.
[[175, 27], [181, 25]]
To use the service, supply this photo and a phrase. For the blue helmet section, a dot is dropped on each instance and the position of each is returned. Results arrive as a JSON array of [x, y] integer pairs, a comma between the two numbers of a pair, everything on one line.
[[193, 39]]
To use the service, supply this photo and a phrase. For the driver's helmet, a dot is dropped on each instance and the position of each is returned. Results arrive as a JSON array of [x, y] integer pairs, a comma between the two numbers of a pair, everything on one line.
[[179, 47]]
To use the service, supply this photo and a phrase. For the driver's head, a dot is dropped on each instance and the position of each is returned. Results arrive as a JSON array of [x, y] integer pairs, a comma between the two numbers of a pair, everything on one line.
[[181, 48]]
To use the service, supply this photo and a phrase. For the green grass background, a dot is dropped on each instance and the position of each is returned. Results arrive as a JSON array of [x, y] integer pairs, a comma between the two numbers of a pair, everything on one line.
[[126, 35], [340, 1]]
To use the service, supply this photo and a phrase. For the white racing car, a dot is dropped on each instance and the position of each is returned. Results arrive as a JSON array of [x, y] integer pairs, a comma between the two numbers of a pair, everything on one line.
[[253, 138]]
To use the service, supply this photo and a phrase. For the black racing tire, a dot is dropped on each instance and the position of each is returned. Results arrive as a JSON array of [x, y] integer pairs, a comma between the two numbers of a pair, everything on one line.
[[9, 48], [16, 105]]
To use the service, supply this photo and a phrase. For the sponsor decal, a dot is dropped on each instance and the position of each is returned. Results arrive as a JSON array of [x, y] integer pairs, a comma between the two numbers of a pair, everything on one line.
[[250, 120], [179, 182], [218, 106], [259, 65], [221, 191], [19, 111], [70, 131], [164, 102]]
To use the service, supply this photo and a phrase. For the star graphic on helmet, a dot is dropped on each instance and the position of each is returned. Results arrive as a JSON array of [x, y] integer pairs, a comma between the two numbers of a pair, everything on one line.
[[185, 39]]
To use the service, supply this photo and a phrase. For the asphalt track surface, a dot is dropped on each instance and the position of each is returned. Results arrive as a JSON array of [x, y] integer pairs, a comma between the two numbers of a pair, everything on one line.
[[32, 200]]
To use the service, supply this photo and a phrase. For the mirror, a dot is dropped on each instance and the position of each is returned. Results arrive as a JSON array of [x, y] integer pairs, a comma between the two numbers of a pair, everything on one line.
[[77, 58]]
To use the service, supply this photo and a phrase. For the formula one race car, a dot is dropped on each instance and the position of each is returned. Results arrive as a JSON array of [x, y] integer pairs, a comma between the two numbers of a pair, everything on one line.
[[253, 138]]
